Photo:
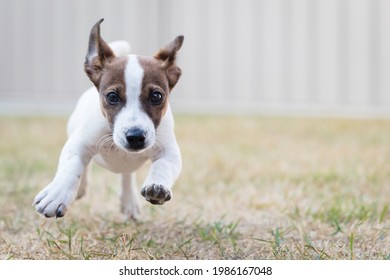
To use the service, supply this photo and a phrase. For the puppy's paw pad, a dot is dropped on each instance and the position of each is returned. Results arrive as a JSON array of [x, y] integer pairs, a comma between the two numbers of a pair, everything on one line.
[[156, 194]]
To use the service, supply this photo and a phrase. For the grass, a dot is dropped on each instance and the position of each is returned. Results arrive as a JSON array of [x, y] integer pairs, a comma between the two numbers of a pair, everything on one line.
[[251, 188]]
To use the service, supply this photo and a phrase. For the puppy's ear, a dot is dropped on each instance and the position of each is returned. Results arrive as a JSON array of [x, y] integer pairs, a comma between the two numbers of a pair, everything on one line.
[[99, 53], [167, 55]]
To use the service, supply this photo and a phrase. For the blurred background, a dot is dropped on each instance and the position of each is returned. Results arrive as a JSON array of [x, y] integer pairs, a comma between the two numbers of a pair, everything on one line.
[[281, 57]]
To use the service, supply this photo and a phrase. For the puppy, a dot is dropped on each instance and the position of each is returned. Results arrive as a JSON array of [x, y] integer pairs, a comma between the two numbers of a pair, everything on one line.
[[121, 123]]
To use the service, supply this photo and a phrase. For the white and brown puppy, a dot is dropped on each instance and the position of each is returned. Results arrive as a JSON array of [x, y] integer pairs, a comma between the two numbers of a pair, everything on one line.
[[122, 122]]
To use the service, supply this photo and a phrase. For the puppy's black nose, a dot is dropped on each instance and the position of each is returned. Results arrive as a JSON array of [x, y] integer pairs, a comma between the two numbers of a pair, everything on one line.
[[136, 138]]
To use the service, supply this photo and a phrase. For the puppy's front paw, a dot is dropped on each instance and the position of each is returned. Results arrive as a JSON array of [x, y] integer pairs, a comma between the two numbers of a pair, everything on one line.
[[156, 194], [52, 201]]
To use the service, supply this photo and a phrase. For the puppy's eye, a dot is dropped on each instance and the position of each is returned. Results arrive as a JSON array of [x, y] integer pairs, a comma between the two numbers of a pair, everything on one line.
[[156, 97], [112, 98]]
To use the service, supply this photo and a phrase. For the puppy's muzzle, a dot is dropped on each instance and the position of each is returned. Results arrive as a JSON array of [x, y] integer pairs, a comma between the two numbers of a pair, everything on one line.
[[136, 138]]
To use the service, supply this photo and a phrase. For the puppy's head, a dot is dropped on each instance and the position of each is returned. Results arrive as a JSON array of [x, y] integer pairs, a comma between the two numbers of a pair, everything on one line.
[[134, 90]]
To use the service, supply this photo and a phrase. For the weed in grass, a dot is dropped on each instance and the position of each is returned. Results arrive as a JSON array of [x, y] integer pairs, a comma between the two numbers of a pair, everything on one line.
[[218, 231], [60, 243], [384, 211], [345, 210], [279, 251], [319, 253], [277, 235], [335, 223], [183, 244], [222, 235], [84, 252], [351, 245]]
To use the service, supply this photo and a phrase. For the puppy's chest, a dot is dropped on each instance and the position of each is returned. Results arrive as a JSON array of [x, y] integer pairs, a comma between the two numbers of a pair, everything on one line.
[[112, 158]]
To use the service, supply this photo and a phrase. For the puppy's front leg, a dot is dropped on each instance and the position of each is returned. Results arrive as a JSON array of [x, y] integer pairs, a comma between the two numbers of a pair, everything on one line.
[[162, 175], [60, 193]]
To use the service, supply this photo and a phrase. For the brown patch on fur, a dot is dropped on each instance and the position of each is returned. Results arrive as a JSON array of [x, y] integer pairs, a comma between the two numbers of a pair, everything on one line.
[[113, 79], [98, 55], [160, 74], [168, 52], [154, 79], [167, 56], [106, 71]]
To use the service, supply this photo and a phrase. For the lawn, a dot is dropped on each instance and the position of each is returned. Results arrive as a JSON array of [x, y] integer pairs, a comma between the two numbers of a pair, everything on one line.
[[251, 188]]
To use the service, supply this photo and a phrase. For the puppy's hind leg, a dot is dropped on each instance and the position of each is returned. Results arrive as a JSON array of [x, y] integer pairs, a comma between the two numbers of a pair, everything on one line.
[[129, 200]]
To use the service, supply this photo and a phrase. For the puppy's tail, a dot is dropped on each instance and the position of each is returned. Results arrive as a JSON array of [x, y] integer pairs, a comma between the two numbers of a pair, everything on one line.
[[120, 48]]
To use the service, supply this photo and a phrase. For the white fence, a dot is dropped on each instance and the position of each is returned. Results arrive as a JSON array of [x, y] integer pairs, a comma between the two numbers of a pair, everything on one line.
[[251, 56]]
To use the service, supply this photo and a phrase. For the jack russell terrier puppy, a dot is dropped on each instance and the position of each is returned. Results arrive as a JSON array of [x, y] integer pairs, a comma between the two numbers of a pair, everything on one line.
[[122, 122]]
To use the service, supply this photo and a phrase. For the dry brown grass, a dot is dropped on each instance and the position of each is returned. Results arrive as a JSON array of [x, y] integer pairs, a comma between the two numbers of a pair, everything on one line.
[[251, 188]]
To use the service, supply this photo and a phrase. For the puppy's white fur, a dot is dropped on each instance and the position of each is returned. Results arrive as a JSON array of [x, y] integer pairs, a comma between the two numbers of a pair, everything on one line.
[[91, 137]]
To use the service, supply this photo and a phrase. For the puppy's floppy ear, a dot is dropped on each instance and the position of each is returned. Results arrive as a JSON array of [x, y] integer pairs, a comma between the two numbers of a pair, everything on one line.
[[99, 53], [167, 55]]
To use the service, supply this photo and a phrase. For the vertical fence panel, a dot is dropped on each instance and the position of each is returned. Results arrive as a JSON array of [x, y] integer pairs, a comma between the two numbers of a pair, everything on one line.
[[299, 53], [327, 52], [7, 67], [384, 57], [244, 30], [287, 50], [358, 59], [220, 62], [194, 55], [273, 52], [342, 42], [258, 56], [374, 52]]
